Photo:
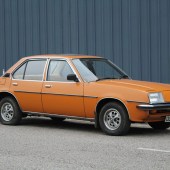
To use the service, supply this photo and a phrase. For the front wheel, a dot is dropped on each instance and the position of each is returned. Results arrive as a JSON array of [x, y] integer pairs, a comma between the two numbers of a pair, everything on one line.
[[10, 113], [114, 119], [159, 125]]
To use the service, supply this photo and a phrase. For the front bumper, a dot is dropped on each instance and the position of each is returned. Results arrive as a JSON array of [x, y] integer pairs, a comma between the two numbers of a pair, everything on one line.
[[161, 106]]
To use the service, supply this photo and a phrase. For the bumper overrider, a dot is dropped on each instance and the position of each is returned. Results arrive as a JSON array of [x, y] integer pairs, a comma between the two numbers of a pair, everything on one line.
[[160, 106]]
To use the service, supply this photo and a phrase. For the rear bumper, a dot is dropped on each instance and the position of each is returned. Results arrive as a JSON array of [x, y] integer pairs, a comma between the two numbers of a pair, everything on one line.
[[162, 106]]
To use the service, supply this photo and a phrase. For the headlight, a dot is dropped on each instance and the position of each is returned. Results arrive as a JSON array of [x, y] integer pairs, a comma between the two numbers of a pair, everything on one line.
[[156, 98]]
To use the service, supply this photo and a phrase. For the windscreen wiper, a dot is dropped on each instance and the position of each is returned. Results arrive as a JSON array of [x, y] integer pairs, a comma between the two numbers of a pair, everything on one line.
[[124, 77], [104, 78]]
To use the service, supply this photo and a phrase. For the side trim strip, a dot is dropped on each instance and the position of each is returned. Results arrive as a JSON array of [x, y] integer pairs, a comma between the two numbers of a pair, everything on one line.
[[59, 94], [91, 97], [133, 101], [20, 91], [56, 115]]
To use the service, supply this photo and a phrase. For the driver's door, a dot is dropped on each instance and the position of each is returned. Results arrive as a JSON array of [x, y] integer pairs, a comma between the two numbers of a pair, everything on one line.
[[60, 96]]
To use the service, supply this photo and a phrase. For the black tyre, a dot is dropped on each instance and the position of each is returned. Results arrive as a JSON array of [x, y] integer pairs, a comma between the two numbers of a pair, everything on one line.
[[10, 113], [114, 119], [159, 125], [58, 119]]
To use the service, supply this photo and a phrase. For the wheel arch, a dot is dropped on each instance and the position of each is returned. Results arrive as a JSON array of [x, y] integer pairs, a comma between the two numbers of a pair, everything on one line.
[[104, 101], [8, 94]]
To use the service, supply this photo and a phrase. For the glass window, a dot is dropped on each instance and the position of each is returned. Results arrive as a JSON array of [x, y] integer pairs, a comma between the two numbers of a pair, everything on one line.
[[19, 73], [58, 70], [98, 69], [84, 71], [34, 70]]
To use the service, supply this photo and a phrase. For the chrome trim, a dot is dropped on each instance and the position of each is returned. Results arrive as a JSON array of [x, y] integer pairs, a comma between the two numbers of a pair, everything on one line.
[[15, 84], [136, 101], [57, 115], [48, 86], [60, 81], [45, 69], [113, 99], [27, 80], [161, 106]]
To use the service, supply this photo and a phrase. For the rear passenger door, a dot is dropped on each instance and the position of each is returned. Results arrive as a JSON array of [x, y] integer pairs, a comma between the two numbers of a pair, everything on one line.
[[26, 84]]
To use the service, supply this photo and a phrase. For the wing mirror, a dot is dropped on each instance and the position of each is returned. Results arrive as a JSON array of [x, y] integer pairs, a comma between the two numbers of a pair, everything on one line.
[[72, 77]]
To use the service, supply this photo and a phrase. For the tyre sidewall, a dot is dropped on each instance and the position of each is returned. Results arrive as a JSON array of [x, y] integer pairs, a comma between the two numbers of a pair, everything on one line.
[[125, 122], [17, 113]]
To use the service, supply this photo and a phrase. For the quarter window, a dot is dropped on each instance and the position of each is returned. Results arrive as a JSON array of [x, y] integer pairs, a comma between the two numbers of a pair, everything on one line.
[[31, 70], [58, 70], [19, 73]]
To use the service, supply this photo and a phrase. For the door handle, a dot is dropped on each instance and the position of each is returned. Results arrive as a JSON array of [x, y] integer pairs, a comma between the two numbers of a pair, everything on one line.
[[15, 84], [48, 86]]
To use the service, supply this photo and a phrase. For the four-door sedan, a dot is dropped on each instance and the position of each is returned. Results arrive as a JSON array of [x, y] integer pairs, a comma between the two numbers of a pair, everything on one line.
[[81, 87]]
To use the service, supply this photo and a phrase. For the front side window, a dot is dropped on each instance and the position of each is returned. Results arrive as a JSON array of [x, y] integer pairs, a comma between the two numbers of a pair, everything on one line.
[[58, 70], [31, 70]]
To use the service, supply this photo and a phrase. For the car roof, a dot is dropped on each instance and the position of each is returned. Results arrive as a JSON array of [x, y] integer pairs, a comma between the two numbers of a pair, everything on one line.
[[67, 56]]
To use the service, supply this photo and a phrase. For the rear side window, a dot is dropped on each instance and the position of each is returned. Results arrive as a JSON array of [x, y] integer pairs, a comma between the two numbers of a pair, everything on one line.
[[32, 70]]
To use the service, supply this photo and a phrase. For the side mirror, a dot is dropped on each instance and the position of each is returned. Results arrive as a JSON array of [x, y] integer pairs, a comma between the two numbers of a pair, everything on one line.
[[72, 77]]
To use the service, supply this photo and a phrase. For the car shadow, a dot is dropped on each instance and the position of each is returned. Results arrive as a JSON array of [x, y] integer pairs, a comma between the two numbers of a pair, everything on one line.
[[146, 130], [66, 124], [135, 130]]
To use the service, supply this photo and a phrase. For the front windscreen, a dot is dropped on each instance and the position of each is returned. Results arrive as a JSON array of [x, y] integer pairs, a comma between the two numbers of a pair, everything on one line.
[[98, 69]]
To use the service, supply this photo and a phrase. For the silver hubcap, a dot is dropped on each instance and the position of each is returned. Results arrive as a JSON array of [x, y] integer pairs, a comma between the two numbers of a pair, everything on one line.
[[112, 119], [7, 111]]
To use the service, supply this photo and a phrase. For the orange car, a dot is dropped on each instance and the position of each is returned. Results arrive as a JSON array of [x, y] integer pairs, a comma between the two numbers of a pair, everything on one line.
[[81, 87]]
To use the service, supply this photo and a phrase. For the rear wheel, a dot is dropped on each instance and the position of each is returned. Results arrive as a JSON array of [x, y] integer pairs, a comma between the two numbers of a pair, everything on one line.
[[10, 113], [159, 125], [114, 119]]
